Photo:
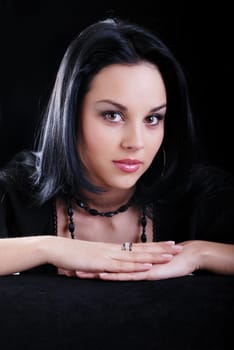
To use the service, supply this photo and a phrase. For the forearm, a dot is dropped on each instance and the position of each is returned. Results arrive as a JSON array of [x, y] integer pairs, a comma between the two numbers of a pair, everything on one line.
[[217, 257], [19, 254]]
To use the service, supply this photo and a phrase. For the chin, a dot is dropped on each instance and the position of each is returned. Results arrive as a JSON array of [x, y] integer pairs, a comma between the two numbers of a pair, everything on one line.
[[126, 185], [122, 183]]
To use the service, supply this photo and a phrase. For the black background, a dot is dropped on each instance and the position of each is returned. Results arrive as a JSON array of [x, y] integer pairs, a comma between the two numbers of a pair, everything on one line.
[[35, 35]]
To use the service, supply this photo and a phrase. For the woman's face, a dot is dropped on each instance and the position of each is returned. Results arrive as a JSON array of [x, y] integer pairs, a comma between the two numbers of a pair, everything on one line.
[[122, 124]]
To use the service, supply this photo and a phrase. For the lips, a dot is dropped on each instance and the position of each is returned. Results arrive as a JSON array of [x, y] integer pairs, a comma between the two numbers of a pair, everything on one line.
[[128, 165]]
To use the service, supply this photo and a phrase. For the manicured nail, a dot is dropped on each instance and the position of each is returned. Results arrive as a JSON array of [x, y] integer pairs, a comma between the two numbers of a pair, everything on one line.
[[167, 256], [177, 247], [170, 242], [148, 265]]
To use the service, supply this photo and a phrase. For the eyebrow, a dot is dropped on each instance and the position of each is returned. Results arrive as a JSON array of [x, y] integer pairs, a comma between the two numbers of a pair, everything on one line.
[[123, 108]]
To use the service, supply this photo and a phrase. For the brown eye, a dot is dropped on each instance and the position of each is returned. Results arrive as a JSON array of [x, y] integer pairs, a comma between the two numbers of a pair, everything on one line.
[[113, 117], [153, 119]]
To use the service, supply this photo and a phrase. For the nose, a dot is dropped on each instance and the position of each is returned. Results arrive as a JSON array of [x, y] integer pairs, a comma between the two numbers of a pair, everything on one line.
[[133, 138]]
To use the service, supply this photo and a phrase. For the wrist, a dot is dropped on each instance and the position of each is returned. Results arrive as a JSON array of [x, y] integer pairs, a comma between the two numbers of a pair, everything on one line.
[[217, 257], [43, 248], [198, 251], [205, 254]]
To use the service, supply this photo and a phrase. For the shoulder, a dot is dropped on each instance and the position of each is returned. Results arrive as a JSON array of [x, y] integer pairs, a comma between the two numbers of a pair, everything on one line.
[[202, 186], [207, 180], [16, 176], [209, 189], [210, 199], [201, 182], [19, 213], [201, 206], [15, 188]]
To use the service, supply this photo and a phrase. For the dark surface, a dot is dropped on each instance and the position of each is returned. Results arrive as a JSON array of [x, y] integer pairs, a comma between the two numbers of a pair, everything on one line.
[[57, 312]]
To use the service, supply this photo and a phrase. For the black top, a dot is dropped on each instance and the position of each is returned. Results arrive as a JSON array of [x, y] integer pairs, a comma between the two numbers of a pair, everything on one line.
[[204, 212]]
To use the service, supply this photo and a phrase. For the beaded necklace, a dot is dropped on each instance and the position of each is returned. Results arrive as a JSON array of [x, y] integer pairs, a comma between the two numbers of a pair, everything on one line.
[[107, 214]]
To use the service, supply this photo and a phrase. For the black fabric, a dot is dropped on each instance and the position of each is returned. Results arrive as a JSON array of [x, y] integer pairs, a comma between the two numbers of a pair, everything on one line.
[[207, 217], [42, 310], [199, 214], [18, 218], [205, 212], [57, 312]]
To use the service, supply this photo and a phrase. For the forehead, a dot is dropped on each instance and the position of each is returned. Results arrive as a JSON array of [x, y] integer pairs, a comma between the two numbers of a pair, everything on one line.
[[141, 81]]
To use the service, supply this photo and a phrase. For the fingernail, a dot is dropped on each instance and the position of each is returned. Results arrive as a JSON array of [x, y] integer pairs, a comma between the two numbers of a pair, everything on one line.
[[148, 265], [170, 242], [177, 247], [167, 256]]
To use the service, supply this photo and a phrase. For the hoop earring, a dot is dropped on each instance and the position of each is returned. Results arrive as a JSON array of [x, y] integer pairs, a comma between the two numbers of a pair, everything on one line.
[[164, 161]]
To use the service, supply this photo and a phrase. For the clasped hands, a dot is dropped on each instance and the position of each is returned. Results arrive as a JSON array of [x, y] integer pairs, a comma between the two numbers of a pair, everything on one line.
[[145, 261]]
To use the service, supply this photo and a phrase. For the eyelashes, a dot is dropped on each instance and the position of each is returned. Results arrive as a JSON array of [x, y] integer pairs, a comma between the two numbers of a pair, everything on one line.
[[154, 119], [117, 117], [112, 116]]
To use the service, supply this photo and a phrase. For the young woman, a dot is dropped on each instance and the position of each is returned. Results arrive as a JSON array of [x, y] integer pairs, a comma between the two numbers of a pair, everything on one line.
[[114, 188]]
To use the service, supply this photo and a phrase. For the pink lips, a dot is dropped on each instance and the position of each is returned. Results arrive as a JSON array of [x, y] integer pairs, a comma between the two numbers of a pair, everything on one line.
[[128, 165]]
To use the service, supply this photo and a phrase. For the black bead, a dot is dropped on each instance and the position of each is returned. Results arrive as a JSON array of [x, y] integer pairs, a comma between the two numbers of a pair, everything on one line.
[[109, 214], [143, 221], [93, 212], [123, 208], [71, 227], [143, 237], [81, 204], [70, 211]]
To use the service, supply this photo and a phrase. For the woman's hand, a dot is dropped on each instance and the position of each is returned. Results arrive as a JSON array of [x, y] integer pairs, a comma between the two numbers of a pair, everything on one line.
[[181, 264], [22, 253], [97, 258], [195, 255], [93, 258]]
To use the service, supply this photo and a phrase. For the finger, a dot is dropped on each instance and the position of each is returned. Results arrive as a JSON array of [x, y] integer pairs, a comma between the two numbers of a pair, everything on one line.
[[161, 247], [124, 266], [134, 276], [117, 267], [86, 275], [152, 258], [68, 273]]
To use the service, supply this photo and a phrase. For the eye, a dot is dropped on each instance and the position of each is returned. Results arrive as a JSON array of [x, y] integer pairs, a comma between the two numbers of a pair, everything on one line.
[[153, 120], [112, 116]]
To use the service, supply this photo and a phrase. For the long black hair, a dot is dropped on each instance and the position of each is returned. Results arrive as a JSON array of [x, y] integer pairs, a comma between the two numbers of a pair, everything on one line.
[[58, 168]]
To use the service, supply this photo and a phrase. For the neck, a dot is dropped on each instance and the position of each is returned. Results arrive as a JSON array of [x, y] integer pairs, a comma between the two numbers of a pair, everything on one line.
[[109, 200]]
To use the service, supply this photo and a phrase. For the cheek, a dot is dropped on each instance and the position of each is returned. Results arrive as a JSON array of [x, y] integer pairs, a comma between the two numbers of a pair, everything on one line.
[[96, 139], [154, 142]]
